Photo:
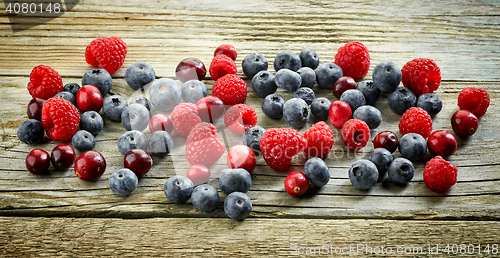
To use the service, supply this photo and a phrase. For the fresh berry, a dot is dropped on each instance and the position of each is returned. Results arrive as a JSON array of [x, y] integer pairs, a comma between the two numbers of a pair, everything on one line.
[[165, 94], [279, 145], [401, 100], [253, 64], [401, 171], [135, 117], [416, 120], [412, 146], [309, 58], [123, 182], [272, 106], [386, 76], [371, 93], [193, 91], [91, 122], [160, 143], [287, 60], [205, 197], [72, 87], [30, 131], [439, 174], [363, 174], [161, 122], [185, 117], [89, 98], [132, 140], [288, 79], [203, 146], [60, 119], [320, 108], [201, 131], [83, 141], [354, 98], [476, 100], [234, 180], [296, 112], [67, 96], [263, 83], [99, 78], [231, 89], [37, 161], [387, 140], [139, 161], [199, 174], [241, 156], [308, 77], [327, 74], [226, 49], [237, 206], [35, 109], [90, 165], [317, 172], [319, 140], [178, 189], [141, 101], [464, 123], [251, 138], [107, 53], [139, 74], [421, 75], [296, 183], [222, 65], [343, 84], [382, 158], [442, 143], [339, 113], [354, 59], [307, 94], [355, 134], [62, 156], [190, 69], [44, 83], [210, 108], [431, 103], [239, 118], [371, 115], [113, 106]]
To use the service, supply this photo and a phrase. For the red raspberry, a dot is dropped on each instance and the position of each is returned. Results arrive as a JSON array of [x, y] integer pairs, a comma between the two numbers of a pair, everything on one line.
[[201, 131], [226, 49], [319, 140], [354, 59], [279, 145], [222, 65], [106, 53], [184, 118], [416, 120], [203, 146], [239, 118], [355, 134], [231, 89], [60, 119], [44, 83], [439, 174], [476, 100], [421, 75]]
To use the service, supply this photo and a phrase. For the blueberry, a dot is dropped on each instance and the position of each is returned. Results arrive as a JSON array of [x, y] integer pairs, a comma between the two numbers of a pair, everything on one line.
[[272, 106], [401, 171], [327, 74], [83, 141], [165, 94], [382, 158], [142, 101], [234, 180], [317, 172], [237, 206], [30, 131], [99, 78], [139, 74], [386, 76], [113, 106], [320, 108], [288, 79], [296, 112], [369, 114], [307, 94], [193, 90], [309, 58], [363, 174], [251, 138], [205, 197], [254, 63], [308, 77], [431, 103], [135, 117], [123, 182], [72, 87], [354, 98], [178, 189], [412, 146], [91, 122], [263, 83], [132, 140], [287, 59], [160, 143], [401, 100], [67, 96], [371, 93]]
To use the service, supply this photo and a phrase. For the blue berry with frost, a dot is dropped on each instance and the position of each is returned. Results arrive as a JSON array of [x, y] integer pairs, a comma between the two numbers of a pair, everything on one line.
[[263, 83], [72, 87], [296, 112], [363, 174], [386, 76], [193, 90], [288, 79], [371, 93], [371, 115], [142, 101], [178, 189], [272, 106], [205, 197], [135, 117], [67, 96], [412, 146], [30, 131], [165, 94], [123, 182], [401, 100], [234, 180], [251, 138], [132, 140], [287, 60], [254, 63], [382, 158], [430, 102], [160, 143], [307, 94], [308, 77], [139, 74], [83, 141], [309, 58], [237, 206], [91, 122], [354, 98], [401, 171], [113, 106], [327, 74], [317, 172], [99, 78], [320, 108]]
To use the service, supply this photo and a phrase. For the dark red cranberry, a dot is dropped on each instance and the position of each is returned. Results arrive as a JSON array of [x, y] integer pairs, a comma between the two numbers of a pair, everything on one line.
[[241, 156], [90, 165], [342, 84], [35, 109], [190, 69], [442, 143], [210, 108], [62, 156], [464, 123], [296, 183], [37, 161], [161, 122], [89, 98], [139, 161], [387, 140], [199, 174], [226, 49]]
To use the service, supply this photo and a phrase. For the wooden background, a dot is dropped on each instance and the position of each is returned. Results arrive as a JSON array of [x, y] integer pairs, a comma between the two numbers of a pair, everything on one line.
[[60, 215]]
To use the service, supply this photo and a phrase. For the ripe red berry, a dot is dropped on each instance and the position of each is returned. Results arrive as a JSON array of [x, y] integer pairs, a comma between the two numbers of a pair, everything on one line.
[[89, 98], [184, 118], [476, 100], [90, 165], [161, 122], [231, 89], [45, 82], [416, 120], [226, 49], [222, 65], [355, 134], [35, 109], [139, 161], [387, 140], [296, 183], [62, 156], [190, 69], [319, 140], [60, 119], [464, 123], [203, 146], [342, 84], [210, 108], [421, 75], [354, 59], [37, 161], [279, 145], [239, 118], [339, 113], [439, 174], [442, 143], [199, 174], [107, 53], [241, 156]]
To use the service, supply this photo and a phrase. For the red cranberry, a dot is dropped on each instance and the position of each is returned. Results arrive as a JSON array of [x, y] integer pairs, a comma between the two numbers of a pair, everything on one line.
[[90, 165], [190, 69], [210, 108], [339, 113], [226, 49], [296, 183], [199, 174], [139, 161], [161, 122], [442, 143], [241, 156], [37, 161], [62, 156], [464, 123], [387, 140], [89, 98], [35, 109], [342, 84]]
